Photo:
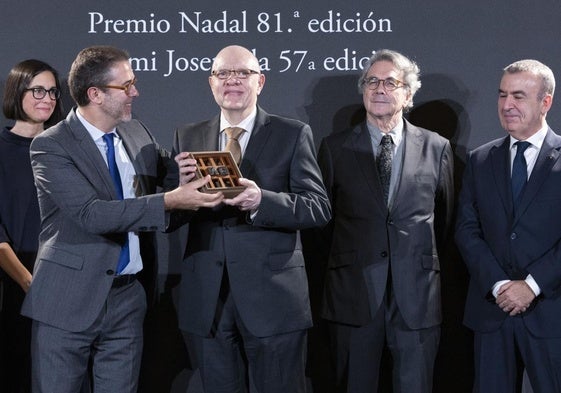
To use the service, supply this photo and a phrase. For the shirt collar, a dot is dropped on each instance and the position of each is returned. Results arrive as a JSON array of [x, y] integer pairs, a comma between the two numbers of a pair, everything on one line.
[[396, 133], [247, 123], [94, 132], [535, 140]]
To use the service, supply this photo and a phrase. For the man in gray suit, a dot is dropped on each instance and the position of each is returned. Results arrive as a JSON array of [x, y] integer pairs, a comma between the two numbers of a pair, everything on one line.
[[244, 291], [85, 301], [389, 183]]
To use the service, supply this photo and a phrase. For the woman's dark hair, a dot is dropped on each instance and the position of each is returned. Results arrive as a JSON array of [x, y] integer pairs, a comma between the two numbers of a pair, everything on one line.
[[18, 81]]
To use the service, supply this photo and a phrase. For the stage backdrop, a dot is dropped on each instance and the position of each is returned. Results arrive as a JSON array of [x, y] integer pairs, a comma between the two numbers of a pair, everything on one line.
[[311, 53]]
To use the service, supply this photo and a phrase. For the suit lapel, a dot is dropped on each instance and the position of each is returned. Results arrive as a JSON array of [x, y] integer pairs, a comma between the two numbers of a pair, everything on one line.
[[258, 140], [136, 158], [207, 138], [361, 145], [547, 157], [500, 170], [413, 141], [95, 166]]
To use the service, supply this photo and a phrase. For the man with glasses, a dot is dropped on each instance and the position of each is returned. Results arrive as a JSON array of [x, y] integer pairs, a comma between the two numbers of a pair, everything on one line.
[[244, 293], [390, 186], [96, 174]]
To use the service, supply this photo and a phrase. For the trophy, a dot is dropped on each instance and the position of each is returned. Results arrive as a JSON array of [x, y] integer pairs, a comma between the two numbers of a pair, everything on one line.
[[223, 171]]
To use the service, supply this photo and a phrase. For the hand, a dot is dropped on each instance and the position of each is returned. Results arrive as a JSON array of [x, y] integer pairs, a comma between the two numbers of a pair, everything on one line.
[[248, 199], [515, 297], [26, 284], [187, 167], [188, 196]]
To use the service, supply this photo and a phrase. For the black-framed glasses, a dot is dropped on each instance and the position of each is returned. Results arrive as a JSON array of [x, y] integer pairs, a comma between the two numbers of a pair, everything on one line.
[[40, 92], [126, 87], [389, 84], [239, 74]]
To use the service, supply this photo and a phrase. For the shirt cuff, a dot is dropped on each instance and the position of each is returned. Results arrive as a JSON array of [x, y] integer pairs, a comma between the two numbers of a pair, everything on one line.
[[497, 286], [533, 284]]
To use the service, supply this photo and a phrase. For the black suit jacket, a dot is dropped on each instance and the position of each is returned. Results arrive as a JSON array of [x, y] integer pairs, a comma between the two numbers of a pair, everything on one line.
[[264, 256], [365, 238]]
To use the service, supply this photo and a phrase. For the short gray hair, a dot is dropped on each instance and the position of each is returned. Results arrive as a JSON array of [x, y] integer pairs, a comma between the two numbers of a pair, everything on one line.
[[409, 68], [538, 69]]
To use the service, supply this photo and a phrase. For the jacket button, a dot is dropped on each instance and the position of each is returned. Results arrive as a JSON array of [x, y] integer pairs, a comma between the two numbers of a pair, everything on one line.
[[110, 272], [513, 236], [384, 254]]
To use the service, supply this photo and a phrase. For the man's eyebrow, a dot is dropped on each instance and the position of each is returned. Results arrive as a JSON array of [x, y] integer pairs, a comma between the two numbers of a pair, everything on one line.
[[513, 92]]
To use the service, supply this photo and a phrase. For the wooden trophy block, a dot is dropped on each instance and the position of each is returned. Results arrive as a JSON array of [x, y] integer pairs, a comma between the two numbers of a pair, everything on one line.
[[223, 171]]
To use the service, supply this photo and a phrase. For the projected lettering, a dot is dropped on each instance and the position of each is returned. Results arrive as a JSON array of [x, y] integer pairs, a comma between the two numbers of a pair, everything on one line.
[[298, 56]]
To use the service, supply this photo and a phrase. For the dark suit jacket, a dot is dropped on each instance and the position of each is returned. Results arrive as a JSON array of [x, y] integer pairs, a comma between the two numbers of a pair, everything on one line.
[[499, 245], [365, 238], [264, 257], [83, 223]]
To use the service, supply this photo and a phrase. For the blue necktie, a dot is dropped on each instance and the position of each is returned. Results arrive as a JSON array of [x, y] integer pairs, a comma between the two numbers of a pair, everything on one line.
[[124, 257], [519, 170]]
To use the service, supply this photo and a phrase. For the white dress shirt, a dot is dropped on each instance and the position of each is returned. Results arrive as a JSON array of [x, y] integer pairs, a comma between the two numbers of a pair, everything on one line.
[[127, 173]]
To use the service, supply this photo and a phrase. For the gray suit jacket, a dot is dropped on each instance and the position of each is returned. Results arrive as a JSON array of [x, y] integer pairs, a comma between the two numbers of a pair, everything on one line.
[[364, 237], [264, 257], [83, 222]]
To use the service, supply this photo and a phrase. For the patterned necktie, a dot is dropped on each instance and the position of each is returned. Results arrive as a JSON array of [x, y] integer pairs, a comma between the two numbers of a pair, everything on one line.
[[385, 165], [233, 145], [519, 170], [124, 257]]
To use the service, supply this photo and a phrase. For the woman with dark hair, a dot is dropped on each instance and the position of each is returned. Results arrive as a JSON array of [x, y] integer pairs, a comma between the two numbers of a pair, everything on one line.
[[32, 100]]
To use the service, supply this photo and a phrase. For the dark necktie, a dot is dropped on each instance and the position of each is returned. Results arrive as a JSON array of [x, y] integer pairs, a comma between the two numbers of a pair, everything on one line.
[[385, 165], [124, 257], [519, 170], [232, 144]]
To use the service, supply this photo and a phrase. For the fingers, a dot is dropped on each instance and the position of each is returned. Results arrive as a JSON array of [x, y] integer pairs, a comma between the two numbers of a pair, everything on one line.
[[248, 199], [186, 162], [504, 288], [187, 167], [182, 156], [212, 199], [518, 310], [196, 184], [188, 196], [205, 199]]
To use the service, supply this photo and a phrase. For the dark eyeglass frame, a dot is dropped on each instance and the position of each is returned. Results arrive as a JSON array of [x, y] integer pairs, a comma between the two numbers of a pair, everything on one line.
[[242, 73], [126, 87], [390, 84], [40, 92]]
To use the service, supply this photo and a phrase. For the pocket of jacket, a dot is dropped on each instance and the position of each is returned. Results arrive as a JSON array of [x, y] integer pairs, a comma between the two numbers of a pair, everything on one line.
[[341, 259], [431, 262], [286, 260], [62, 257]]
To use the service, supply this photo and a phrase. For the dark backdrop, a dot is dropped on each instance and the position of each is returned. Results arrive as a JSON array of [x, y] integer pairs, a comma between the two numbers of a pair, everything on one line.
[[311, 53]]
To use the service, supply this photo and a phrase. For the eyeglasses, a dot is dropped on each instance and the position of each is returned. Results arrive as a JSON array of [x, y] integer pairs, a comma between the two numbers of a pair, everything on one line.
[[389, 84], [126, 87], [239, 74], [40, 92]]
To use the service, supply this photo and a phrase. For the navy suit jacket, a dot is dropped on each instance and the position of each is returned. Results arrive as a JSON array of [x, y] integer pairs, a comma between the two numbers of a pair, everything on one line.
[[365, 237], [499, 244], [264, 257]]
